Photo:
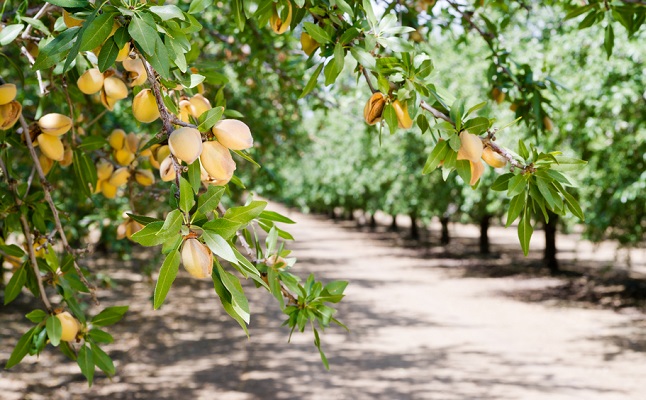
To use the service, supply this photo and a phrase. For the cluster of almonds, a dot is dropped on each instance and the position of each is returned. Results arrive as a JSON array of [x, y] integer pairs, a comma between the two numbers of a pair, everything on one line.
[[125, 149], [473, 150], [10, 109], [52, 127], [374, 109], [216, 162]]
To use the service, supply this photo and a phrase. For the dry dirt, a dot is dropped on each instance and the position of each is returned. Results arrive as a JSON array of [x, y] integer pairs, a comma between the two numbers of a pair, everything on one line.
[[425, 323]]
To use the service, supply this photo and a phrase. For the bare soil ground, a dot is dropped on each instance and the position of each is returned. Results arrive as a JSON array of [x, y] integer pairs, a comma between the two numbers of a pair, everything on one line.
[[426, 323]]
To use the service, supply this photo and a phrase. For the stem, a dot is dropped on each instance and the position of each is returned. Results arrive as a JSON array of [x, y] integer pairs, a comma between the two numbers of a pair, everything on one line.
[[34, 262], [38, 15], [368, 80]]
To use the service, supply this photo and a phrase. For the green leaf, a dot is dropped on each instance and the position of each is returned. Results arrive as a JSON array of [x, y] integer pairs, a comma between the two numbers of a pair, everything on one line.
[[17, 281], [36, 316], [12, 250], [209, 201], [223, 227], [85, 172], [100, 336], [195, 176], [186, 195], [209, 118], [390, 116], [70, 3], [516, 206], [525, 232], [522, 150], [109, 316], [149, 235], [543, 188], [477, 125], [143, 34], [363, 57], [54, 330], [108, 54], [219, 246], [172, 225], [317, 33], [22, 348], [85, 360], [102, 360], [238, 299], [573, 205], [274, 216], [609, 39], [197, 6], [96, 32], [10, 33], [56, 50], [226, 298], [238, 14], [245, 214], [311, 84], [436, 157], [168, 12], [167, 274], [517, 185], [501, 183]]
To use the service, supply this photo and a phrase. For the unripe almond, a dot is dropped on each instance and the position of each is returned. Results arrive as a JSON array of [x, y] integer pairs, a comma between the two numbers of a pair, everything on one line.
[[277, 25], [233, 134], [8, 93], [185, 144], [55, 124], [133, 227], [117, 139], [132, 142], [374, 108], [548, 124], [70, 326], [159, 154], [308, 44], [199, 105], [276, 261], [492, 158], [144, 177], [119, 177], [107, 101], [9, 114], [91, 81], [71, 21], [68, 157], [477, 169], [217, 161], [45, 163], [197, 258], [403, 118], [108, 190], [123, 53], [104, 170], [98, 187], [115, 88], [124, 157], [498, 95], [470, 147], [121, 230], [167, 170], [51, 146], [144, 106], [185, 111], [136, 71]]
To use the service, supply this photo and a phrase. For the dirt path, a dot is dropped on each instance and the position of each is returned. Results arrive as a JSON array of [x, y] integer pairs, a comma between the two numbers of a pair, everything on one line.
[[418, 331]]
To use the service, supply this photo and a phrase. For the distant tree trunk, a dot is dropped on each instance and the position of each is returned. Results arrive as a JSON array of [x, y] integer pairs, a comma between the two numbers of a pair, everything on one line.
[[373, 222], [331, 213], [549, 255], [351, 214], [393, 224], [445, 238], [484, 234], [414, 231]]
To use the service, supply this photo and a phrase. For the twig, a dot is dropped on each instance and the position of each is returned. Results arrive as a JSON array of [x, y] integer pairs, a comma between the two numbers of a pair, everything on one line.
[[98, 117], [436, 113], [38, 15], [34, 262], [41, 84], [48, 197], [368, 80]]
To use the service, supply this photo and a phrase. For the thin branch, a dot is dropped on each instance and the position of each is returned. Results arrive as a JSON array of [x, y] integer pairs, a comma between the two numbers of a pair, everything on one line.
[[39, 76], [48, 197], [38, 15], [368, 80], [34, 262], [436, 113]]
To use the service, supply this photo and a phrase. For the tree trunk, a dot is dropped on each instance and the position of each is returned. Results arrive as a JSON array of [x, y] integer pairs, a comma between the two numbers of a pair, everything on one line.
[[445, 239], [393, 224], [414, 231], [373, 222], [484, 234], [332, 214], [351, 215], [549, 256]]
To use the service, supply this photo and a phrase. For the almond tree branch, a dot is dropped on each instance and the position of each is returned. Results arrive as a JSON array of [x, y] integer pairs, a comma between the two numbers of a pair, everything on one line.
[[33, 261], [48, 197], [38, 15]]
